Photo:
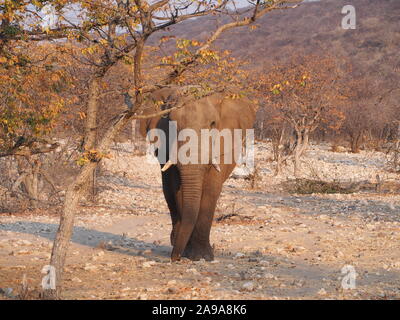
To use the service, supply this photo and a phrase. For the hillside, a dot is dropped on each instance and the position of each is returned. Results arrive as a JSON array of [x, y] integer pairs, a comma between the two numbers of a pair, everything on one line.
[[314, 27]]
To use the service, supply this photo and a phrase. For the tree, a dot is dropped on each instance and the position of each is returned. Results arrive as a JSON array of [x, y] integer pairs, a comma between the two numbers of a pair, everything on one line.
[[33, 79], [303, 93], [368, 111], [32, 83]]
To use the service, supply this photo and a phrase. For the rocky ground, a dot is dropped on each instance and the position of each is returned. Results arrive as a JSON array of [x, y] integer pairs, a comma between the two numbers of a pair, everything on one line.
[[269, 244]]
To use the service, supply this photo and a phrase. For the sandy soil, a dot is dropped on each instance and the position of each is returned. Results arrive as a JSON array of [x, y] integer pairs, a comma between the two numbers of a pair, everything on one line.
[[268, 244]]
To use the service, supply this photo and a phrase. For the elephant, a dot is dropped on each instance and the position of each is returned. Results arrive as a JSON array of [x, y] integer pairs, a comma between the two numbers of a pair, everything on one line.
[[192, 190]]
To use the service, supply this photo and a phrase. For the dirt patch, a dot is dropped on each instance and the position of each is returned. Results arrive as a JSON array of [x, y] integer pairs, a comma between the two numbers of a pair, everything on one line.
[[284, 254], [268, 244]]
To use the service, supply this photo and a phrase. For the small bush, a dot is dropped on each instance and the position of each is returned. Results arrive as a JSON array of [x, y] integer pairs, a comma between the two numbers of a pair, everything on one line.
[[338, 148], [306, 186]]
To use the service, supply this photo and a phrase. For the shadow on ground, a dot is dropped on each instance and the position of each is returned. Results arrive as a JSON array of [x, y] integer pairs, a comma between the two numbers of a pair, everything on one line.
[[315, 205], [290, 272], [91, 238]]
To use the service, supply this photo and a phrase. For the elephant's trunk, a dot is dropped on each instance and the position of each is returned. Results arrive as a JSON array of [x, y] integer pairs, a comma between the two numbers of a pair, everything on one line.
[[191, 187]]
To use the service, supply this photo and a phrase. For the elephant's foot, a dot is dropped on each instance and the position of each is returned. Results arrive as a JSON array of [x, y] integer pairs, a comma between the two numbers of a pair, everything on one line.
[[175, 257], [196, 251]]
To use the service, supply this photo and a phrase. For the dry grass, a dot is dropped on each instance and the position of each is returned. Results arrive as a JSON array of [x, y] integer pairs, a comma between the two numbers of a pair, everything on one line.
[[338, 148], [307, 186]]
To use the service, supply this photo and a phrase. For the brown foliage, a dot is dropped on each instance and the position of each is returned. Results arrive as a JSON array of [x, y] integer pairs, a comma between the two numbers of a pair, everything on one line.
[[301, 94]]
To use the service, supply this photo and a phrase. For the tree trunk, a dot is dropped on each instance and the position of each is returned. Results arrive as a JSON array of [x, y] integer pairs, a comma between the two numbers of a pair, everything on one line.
[[302, 141], [305, 142], [278, 151], [297, 153], [137, 143], [396, 151], [91, 114], [278, 168], [29, 178], [296, 164], [355, 140], [74, 194], [133, 137], [91, 130]]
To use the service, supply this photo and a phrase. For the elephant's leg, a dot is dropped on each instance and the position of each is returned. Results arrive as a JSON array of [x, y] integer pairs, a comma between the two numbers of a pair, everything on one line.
[[170, 180], [199, 246]]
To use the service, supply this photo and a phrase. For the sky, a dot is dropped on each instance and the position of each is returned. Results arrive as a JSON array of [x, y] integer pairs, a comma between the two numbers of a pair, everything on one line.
[[50, 17]]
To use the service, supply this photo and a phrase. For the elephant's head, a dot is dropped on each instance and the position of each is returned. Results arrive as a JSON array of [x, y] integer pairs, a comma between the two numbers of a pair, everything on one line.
[[195, 115], [211, 112]]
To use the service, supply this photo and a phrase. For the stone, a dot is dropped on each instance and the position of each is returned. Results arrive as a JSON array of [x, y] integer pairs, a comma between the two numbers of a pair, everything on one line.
[[148, 264], [322, 292], [248, 286], [239, 255], [89, 267]]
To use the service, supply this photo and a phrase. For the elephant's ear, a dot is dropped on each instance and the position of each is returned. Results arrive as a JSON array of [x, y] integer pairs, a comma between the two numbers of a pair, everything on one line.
[[145, 124], [235, 113], [152, 104]]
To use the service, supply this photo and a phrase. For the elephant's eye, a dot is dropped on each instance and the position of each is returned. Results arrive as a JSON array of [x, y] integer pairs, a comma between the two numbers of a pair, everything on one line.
[[212, 124]]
